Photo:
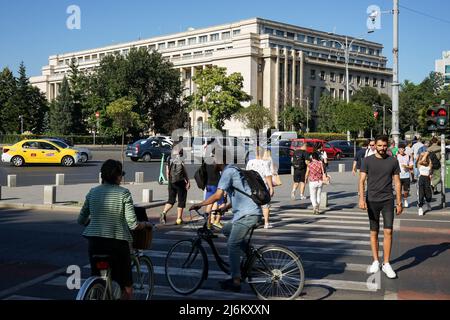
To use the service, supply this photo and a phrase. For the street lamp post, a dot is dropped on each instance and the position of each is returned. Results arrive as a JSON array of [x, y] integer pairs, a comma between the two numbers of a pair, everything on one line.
[[21, 124]]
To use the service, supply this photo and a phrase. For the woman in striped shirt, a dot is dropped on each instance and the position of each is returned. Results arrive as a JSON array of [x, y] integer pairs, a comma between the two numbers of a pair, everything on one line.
[[108, 213]]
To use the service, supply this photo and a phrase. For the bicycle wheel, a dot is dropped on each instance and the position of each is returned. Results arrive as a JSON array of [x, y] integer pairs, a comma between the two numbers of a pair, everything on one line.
[[276, 273], [143, 278], [186, 267], [93, 289]]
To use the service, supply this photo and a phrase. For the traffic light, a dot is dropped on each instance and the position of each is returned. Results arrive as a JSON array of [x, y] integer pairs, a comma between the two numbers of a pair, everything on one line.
[[442, 117], [432, 118]]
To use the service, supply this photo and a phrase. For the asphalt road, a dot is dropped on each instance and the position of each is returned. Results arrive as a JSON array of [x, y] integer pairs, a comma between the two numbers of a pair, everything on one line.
[[88, 172]]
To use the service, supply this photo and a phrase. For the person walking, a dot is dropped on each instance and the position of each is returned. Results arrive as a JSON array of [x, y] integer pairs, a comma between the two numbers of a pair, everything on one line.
[[178, 184], [315, 174], [425, 167], [435, 157], [246, 215], [380, 170], [359, 156], [108, 214], [300, 160], [417, 148], [212, 181], [406, 165], [262, 167]]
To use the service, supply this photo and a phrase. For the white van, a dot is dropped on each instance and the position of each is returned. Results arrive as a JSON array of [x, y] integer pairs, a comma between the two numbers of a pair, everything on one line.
[[283, 135]]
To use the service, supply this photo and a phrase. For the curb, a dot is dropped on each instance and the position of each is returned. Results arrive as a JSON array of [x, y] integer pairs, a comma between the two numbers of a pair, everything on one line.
[[54, 207]]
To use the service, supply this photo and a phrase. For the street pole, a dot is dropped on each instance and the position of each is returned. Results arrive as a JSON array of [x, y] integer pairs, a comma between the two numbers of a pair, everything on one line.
[[384, 119], [307, 114], [395, 83], [347, 61], [443, 173]]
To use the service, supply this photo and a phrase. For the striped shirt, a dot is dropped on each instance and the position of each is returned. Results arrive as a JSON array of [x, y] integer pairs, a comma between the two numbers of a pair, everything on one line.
[[111, 212]]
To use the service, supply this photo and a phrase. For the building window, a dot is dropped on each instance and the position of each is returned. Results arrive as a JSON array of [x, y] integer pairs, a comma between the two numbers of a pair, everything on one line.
[[341, 78], [350, 78], [355, 48], [202, 39], [382, 83], [192, 41], [94, 57], [371, 51], [375, 82], [447, 80], [447, 69], [291, 35], [236, 32], [312, 95], [367, 81], [310, 40], [301, 37], [215, 37], [377, 52], [332, 77], [333, 93], [67, 62], [161, 46], [313, 74], [322, 75], [363, 50], [358, 80], [226, 35], [337, 45], [171, 44], [187, 55], [102, 55], [209, 52], [181, 43], [341, 94], [124, 52], [268, 30], [279, 33], [80, 59], [358, 61], [350, 93], [152, 47]]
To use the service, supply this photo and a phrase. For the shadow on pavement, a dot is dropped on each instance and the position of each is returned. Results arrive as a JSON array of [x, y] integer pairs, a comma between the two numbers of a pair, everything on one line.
[[421, 254]]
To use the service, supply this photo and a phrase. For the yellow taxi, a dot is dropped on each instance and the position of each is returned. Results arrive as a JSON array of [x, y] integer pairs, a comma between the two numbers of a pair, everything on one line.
[[39, 151]]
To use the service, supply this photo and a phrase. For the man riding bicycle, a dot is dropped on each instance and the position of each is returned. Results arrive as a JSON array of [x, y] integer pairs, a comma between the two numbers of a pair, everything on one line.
[[246, 215], [109, 215]]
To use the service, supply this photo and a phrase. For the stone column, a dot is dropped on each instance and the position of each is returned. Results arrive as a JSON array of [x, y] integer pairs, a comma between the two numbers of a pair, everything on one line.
[[286, 76], [277, 86], [302, 73], [294, 76]]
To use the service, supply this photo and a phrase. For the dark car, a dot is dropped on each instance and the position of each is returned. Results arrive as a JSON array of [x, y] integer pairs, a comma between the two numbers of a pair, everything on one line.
[[346, 147], [281, 158], [148, 149]]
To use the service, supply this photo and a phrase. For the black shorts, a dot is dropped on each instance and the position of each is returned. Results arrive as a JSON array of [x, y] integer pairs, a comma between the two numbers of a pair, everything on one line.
[[299, 175], [177, 189], [386, 208], [119, 251], [406, 184]]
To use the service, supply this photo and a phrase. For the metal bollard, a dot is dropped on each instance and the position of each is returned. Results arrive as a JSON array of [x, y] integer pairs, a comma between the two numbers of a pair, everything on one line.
[[139, 177], [60, 179], [341, 168], [12, 180], [147, 195], [49, 194], [324, 199]]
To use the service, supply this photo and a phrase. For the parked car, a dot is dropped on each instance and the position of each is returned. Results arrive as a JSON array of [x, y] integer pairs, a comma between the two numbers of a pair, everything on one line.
[[148, 149], [85, 153], [332, 152], [232, 145], [283, 135], [281, 158], [346, 147], [39, 151]]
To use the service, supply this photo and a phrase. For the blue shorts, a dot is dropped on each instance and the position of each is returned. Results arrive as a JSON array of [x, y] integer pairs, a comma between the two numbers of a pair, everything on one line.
[[210, 190]]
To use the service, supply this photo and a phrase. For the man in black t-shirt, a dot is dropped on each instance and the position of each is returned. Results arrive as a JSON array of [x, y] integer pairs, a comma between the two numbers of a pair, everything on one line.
[[379, 170], [300, 162]]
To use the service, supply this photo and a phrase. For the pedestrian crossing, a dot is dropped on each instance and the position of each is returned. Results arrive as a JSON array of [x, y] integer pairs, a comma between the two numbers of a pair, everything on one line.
[[334, 247]]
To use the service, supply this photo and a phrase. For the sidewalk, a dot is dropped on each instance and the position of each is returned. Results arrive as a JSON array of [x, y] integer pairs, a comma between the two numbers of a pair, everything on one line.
[[342, 194]]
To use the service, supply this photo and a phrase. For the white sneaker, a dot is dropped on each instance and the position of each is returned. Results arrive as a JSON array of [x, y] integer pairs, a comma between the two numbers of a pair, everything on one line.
[[420, 211], [293, 195], [302, 197], [405, 204], [387, 269], [375, 267]]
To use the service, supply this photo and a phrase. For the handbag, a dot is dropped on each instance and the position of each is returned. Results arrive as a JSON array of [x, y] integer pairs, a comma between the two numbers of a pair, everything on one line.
[[276, 180], [326, 179]]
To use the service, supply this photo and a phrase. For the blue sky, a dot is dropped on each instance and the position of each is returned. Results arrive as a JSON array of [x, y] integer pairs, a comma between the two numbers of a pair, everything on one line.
[[33, 30]]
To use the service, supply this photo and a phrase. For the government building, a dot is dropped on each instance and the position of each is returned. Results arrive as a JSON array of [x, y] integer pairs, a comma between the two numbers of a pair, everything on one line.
[[282, 64]]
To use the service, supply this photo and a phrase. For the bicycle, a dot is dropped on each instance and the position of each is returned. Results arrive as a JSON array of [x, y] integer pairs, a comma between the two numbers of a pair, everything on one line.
[[272, 271]]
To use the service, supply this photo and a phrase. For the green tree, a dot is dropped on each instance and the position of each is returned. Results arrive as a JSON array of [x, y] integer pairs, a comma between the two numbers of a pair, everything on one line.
[[353, 117], [61, 111], [123, 118], [8, 113], [327, 110], [293, 118], [78, 89], [367, 96], [219, 95], [256, 117]]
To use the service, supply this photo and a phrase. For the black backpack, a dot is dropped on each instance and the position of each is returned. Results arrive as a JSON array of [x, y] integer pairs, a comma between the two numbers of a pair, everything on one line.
[[435, 161], [200, 176], [260, 194], [299, 159]]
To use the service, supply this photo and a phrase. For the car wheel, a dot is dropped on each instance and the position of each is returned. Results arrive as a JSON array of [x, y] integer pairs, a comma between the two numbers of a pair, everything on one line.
[[338, 156], [67, 161], [134, 159], [147, 157], [17, 161], [83, 158]]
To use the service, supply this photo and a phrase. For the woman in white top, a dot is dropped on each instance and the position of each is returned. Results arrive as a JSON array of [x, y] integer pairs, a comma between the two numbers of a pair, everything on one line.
[[425, 166], [265, 171]]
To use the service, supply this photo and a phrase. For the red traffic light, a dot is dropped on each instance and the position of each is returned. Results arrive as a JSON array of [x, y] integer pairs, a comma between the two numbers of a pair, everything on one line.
[[442, 113], [375, 115], [431, 113]]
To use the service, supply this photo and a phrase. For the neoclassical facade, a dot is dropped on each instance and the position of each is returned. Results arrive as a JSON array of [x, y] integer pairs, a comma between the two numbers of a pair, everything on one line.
[[282, 64]]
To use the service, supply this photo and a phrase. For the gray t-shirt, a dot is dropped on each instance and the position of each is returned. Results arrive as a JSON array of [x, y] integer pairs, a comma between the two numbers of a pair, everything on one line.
[[379, 177]]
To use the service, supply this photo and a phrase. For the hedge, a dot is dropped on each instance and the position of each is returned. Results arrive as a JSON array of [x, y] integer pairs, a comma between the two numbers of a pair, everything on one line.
[[99, 140], [325, 136]]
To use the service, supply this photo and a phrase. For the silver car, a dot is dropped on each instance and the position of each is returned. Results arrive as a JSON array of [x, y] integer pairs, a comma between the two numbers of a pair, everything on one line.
[[85, 154]]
